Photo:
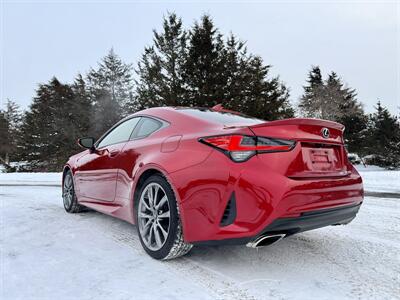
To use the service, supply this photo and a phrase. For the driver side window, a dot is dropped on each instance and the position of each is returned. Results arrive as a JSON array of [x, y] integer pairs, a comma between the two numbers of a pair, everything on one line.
[[119, 134]]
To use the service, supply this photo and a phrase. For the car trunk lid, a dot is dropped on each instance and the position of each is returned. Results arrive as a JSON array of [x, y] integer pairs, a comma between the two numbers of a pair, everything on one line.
[[319, 151]]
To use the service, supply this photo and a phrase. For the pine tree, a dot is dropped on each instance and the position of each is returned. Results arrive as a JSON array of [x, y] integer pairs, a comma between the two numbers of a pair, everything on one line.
[[311, 101], [207, 71], [332, 100], [264, 98], [110, 88], [13, 115], [236, 60], [6, 140], [10, 123], [160, 69], [205, 65], [82, 107], [384, 138], [55, 120]]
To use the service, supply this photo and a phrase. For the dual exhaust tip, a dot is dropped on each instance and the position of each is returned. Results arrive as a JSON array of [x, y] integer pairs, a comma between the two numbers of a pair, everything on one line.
[[265, 240]]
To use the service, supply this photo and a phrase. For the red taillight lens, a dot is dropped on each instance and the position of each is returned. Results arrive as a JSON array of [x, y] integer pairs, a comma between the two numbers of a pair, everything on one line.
[[241, 147]]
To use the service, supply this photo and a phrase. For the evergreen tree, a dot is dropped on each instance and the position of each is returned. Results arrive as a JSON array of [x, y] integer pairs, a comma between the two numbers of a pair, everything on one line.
[[10, 123], [54, 122], [199, 68], [110, 88], [384, 138], [332, 100], [205, 65], [236, 60], [263, 97], [160, 69], [82, 107], [6, 140], [312, 99], [13, 115]]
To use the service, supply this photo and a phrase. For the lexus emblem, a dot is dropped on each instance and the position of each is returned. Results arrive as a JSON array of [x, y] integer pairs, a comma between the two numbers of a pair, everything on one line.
[[325, 133]]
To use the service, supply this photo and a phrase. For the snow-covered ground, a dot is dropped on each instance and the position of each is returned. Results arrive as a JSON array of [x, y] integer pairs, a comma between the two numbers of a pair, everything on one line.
[[43, 179], [375, 179], [49, 254]]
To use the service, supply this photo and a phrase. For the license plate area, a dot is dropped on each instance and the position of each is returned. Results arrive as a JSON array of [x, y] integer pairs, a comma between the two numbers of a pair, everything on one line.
[[321, 157]]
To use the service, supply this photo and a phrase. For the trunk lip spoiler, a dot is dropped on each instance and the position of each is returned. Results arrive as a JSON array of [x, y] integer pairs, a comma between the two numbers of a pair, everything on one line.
[[301, 121]]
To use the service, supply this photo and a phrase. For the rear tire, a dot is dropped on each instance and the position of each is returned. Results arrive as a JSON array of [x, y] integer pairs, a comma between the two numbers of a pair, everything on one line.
[[158, 221], [70, 200]]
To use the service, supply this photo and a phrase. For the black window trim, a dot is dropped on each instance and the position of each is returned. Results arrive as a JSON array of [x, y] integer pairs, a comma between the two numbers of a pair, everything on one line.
[[115, 126], [163, 124]]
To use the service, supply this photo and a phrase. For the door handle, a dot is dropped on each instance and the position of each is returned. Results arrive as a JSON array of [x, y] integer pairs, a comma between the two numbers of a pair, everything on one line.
[[113, 153]]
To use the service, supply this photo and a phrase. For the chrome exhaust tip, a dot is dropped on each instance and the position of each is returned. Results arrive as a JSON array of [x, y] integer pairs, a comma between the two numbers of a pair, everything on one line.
[[265, 240]]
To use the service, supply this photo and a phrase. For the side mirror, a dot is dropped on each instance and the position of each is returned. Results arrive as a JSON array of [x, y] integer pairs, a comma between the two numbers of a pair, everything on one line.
[[87, 143]]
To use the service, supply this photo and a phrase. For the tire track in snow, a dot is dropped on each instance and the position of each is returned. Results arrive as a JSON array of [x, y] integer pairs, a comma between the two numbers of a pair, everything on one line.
[[219, 285]]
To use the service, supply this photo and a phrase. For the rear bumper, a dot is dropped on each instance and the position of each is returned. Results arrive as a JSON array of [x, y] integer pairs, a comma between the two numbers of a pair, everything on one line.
[[306, 221], [263, 195], [313, 220]]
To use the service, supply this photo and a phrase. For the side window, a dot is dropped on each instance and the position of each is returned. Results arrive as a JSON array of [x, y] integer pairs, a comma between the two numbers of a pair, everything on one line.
[[119, 134], [146, 127]]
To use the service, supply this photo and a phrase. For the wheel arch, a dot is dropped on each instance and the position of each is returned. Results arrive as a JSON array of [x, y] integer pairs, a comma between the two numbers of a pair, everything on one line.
[[141, 179], [145, 173], [64, 172]]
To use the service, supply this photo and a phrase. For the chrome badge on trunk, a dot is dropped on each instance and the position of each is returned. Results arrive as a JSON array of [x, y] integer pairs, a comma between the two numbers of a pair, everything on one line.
[[325, 132]]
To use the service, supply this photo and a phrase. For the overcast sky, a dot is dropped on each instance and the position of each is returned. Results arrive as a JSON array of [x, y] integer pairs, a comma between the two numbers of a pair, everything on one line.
[[358, 40]]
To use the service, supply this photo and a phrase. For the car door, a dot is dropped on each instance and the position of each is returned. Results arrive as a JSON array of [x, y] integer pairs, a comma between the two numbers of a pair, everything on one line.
[[139, 143], [97, 171]]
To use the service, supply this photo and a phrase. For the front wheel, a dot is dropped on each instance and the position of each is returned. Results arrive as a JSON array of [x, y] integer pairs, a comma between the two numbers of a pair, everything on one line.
[[158, 221]]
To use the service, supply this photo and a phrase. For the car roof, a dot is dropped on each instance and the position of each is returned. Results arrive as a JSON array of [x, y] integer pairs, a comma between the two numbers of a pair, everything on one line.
[[219, 117]]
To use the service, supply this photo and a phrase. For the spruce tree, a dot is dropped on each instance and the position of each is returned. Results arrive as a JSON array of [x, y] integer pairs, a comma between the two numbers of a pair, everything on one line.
[[160, 69], [207, 70], [11, 121], [110, 87], [205, 64], [6, 140], [52, 125], [384, 138], [311, 101], [263, 97], [332, 100], [82, 107], [236, 60]]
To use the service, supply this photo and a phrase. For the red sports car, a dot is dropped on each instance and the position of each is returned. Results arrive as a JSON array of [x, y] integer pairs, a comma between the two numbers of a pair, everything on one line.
[[190, 176]]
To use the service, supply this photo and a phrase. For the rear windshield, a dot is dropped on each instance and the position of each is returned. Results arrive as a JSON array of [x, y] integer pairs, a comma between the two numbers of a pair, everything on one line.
[[224, 118]]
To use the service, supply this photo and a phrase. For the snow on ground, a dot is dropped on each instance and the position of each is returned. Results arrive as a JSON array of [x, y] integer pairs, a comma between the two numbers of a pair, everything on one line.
[[377, 179], [49, 254], [30, 179]]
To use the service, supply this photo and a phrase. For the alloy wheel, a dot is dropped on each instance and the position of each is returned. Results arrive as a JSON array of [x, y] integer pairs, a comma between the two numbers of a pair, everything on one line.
[[68, 191], [154, 216]]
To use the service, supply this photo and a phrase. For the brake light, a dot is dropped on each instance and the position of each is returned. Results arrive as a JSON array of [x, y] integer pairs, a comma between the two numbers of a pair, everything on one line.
[[241, 147]]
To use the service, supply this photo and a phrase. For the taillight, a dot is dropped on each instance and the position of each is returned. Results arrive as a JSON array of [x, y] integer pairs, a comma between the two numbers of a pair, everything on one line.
[[241, 147]]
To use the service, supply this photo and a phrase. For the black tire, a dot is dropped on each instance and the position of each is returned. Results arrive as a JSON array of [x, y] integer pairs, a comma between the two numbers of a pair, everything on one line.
[[174, 245], [71, 205]]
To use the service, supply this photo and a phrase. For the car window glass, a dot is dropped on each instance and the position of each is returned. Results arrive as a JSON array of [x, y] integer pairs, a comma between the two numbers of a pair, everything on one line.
[[119, 134], [147, 127], [224, 118]]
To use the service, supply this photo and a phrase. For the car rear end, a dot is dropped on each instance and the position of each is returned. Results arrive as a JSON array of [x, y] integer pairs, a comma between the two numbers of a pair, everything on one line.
[[321, 187], [284, 177]]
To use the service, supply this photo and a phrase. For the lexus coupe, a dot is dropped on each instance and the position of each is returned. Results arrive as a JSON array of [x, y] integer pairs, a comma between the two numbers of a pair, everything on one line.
[[191, 176]]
